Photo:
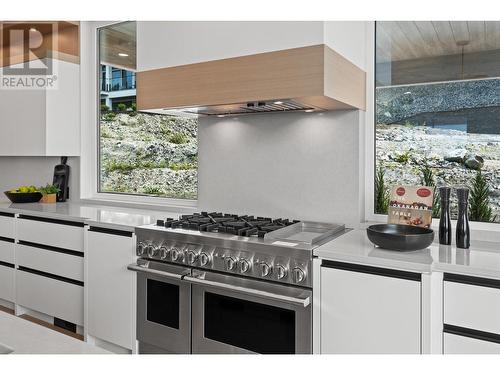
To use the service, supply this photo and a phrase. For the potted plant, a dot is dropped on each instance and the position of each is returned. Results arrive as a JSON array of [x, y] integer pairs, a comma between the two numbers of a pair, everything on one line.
[[49, 193]]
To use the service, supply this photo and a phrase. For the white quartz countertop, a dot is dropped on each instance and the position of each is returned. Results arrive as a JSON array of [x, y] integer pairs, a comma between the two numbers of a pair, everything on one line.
[[25, 337], [482, 259], [114, 217]]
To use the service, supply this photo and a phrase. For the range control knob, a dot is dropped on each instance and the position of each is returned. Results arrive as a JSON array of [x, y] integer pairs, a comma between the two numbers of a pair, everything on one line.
[[192, 257], [204, 259], [152, 251], [281, 271], [265, 269], [141, 248], [176, 254], [164, 252], [230, 263], [244, 265], [299, 275]]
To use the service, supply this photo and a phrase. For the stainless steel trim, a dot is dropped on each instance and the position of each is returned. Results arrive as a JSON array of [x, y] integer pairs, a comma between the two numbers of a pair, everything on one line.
[[304, 302], [145, 269], [306, 232]]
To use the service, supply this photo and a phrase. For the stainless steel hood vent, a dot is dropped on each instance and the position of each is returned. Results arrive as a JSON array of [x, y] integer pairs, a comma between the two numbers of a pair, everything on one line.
[[281, 106]]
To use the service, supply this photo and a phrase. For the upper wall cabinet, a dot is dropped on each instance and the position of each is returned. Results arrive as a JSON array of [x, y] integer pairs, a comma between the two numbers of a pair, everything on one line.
[[40, 89], [219, 68]]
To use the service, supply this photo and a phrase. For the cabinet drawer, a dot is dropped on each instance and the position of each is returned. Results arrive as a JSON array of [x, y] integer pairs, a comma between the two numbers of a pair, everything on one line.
[[7, 251], [456, 344], [65, 235], [6, 283], [6, 225], [57, 263], [50, 296], [472, 306]]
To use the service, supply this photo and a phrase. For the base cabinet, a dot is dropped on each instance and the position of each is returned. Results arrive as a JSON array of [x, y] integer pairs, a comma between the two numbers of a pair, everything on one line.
[[111, 287], [471, 308], [7, 282], [369, 310], [455, 344]]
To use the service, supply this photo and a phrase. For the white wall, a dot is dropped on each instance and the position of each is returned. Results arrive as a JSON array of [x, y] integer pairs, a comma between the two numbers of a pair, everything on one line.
[[31, 170], [298, 165], [349, 39], [169, 43]]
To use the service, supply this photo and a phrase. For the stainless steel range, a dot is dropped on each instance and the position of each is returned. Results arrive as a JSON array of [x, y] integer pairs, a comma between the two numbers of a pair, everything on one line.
[[220, 283]]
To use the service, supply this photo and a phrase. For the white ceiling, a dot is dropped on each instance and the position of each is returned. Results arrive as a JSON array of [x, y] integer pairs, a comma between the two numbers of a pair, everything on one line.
[[407, 40]]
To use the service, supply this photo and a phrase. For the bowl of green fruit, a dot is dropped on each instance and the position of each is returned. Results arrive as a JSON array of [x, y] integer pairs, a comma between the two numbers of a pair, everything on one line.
[[24, 194]]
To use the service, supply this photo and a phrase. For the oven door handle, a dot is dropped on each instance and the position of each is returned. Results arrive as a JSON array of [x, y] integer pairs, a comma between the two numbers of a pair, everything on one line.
[[150, 271], [304, 302]]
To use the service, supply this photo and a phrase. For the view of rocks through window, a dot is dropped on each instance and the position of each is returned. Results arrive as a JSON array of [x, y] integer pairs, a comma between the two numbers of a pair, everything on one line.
[[148, 154], [438, 112]]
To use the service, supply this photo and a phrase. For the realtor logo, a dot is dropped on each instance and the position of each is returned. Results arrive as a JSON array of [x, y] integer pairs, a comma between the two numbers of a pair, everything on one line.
[[26, 55]]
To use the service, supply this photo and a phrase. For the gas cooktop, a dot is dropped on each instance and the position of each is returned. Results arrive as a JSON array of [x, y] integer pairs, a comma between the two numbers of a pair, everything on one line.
[[240, 225]]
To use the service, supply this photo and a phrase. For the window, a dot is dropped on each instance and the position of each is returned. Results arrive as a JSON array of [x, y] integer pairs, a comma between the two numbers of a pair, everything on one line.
[[139, 153], [437, 110]]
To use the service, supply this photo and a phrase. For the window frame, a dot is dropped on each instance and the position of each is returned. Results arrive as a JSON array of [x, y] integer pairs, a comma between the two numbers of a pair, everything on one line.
[[483, 231], [90, 138]]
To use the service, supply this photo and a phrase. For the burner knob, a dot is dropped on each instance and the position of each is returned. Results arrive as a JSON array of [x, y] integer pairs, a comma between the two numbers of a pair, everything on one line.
[[204, 259], [244, 265], [152, 251], [281, 271], [176, 254], [192, 257], [230, 263], [265, 269], [164, 252], [141, 247], [299, 275]]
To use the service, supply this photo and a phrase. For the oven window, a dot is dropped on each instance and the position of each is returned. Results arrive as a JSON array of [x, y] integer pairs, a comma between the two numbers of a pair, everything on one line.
[[248, 325], [163, 303]]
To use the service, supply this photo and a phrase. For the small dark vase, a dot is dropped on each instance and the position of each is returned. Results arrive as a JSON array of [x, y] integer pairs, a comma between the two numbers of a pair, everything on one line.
[[463, 231], [445, 220]]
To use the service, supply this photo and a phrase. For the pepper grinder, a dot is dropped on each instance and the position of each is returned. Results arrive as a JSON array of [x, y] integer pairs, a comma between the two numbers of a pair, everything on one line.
[[445, 220], [463, 231]]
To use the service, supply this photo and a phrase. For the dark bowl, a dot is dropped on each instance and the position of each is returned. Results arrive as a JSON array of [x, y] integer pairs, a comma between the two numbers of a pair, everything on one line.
[[23, 197], [400, 237]]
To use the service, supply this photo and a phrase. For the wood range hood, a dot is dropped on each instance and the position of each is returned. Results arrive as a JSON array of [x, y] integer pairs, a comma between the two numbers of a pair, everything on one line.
[[313, 78]]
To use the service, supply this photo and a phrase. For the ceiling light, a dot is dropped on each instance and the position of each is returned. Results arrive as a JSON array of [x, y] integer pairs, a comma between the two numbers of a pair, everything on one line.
[[121, 54], [278, 102], [309, 110], [221, 115]]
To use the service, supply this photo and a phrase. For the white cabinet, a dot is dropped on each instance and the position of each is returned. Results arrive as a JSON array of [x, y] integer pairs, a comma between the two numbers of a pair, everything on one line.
[[50, 295], [110, 286], [7, 252], [369, 310], [50, 232], [7, 223], [58, 263], [471, 308], [43, 121], [456, 344], [7, 282]]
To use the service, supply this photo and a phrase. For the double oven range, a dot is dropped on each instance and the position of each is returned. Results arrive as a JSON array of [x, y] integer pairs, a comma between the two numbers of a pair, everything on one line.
[[219, 283]]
